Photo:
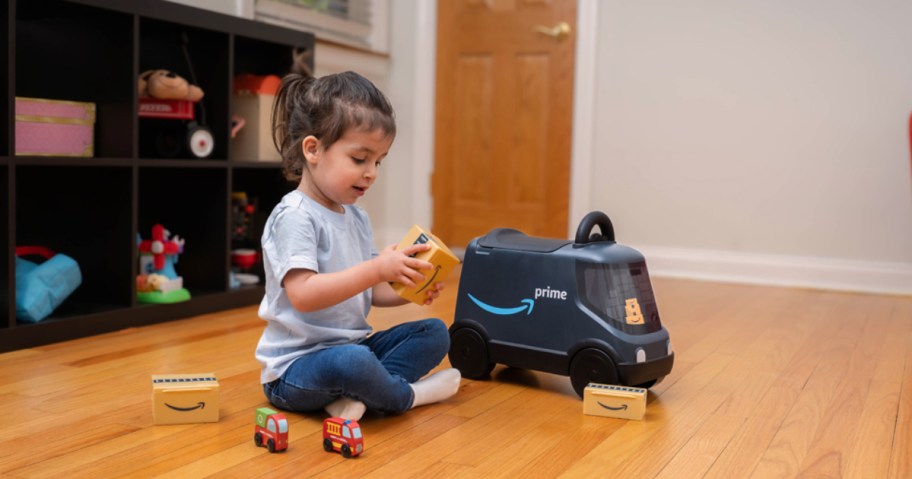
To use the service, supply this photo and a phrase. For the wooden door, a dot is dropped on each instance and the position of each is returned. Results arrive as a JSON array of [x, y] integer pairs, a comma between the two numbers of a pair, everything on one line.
[[503, 117]]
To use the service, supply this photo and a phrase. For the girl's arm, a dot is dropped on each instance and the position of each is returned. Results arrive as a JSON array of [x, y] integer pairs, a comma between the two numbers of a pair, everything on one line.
[[385, 295], [309, 291]]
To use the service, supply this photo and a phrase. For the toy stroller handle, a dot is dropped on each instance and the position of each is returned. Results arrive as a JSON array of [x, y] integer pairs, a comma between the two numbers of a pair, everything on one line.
[[590, 220]]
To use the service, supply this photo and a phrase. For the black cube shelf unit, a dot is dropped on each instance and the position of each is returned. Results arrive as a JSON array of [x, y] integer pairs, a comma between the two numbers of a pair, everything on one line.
[[93, 208]]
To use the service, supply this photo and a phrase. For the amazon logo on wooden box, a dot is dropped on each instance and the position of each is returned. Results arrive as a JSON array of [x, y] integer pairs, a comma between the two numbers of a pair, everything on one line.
[[622, 402], [185, 398], [441, 258]]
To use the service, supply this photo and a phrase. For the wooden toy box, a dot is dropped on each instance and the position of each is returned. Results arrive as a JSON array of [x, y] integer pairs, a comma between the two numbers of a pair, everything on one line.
[[54, 127], [622, 402], [439, 255], [253, 100], [185, 398]]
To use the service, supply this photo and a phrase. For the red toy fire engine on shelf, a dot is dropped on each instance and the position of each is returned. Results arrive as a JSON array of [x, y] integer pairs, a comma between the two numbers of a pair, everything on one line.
[[271, 430], [343, 435]]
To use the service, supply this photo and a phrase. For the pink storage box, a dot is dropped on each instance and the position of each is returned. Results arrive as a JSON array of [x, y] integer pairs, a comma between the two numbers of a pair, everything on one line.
[[54, 127]]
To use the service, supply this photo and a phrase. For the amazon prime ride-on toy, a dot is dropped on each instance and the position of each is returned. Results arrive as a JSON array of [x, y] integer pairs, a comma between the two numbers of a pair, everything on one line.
[[582, 308]]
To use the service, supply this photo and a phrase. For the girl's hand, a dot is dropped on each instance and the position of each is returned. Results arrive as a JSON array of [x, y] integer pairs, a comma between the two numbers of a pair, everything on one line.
[[398, 266], [433, 293]]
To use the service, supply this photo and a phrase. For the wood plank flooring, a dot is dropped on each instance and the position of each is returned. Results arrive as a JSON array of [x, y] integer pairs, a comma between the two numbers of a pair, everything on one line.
[[768, 382]]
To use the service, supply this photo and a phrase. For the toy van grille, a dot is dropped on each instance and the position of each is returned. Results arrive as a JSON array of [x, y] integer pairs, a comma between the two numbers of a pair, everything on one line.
[[620, 294]]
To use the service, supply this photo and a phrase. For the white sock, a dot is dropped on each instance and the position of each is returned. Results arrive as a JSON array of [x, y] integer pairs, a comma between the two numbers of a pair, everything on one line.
[[346, 409], [436, 387]]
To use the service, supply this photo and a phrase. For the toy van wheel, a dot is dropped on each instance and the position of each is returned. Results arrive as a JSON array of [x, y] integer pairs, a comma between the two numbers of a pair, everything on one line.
[[327, 445], [258, 439], [270, 444], [591, 366], [469, 353], [346, 451]]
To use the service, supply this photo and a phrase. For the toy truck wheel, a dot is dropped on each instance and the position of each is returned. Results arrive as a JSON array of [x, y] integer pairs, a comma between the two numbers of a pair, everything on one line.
[[591, 366], [469, 353], [346, 451], [258, 439], [327, 445]]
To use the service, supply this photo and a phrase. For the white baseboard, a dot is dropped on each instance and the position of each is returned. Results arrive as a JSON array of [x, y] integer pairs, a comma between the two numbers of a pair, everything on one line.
[[780, 270]]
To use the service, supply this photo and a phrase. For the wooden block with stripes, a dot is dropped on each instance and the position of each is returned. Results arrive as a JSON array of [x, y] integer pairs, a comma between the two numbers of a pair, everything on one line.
[[185, 398], [622, 402]]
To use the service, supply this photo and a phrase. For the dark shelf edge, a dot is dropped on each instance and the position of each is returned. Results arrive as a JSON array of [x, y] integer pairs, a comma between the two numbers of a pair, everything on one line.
[[274, 165], [32, 335], [199, 18], [26, 161]]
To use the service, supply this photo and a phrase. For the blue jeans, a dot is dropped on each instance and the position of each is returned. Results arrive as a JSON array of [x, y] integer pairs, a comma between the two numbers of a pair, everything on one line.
[[376, 371]]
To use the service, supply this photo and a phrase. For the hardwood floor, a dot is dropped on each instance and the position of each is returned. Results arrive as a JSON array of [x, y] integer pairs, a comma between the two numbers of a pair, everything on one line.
[[768, 382]]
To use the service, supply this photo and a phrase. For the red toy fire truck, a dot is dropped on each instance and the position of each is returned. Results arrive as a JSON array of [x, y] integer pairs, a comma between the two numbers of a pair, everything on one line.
[[343, 435], [271, 429]]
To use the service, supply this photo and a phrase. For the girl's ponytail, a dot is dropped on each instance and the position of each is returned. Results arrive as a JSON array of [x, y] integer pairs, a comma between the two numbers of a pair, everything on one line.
[[290, 114], [324, 108]]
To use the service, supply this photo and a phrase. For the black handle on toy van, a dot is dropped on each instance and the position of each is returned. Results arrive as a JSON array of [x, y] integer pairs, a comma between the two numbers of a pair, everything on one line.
[[590, 220]]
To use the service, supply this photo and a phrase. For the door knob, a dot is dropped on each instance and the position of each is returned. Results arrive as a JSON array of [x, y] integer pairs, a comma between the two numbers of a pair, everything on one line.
[[558, 32]]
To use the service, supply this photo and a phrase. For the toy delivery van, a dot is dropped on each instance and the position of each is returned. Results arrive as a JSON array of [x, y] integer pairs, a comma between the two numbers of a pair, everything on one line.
[[582, 308]]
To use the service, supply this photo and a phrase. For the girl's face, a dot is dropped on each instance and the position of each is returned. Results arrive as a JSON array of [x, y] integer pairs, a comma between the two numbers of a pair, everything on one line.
[[342, 173]]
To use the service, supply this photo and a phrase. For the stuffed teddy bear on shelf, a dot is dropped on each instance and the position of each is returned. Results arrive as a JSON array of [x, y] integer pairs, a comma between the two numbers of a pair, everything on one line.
[[167, 85]]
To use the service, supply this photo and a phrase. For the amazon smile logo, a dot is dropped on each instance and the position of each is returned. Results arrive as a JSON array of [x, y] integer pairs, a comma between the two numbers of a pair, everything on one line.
[[527, 304], [199, 405], [621, 408], [433, 277]]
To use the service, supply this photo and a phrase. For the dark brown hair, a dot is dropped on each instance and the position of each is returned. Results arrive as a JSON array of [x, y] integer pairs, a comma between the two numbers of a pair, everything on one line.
[[326, 108]]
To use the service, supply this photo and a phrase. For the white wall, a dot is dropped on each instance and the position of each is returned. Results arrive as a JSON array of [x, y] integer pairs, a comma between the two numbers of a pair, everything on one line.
[[401, 195], [758, 141], [331, 58], [739, 140], [412, 75]]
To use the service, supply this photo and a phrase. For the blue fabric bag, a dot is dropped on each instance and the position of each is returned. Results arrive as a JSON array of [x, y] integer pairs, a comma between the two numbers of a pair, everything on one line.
[[41, 288]]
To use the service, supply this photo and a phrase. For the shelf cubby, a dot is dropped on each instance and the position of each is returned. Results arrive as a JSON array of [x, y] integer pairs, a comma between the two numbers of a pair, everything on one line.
[[201, 57], [84, 213], [263, 187], [190, 203], [54, 36]]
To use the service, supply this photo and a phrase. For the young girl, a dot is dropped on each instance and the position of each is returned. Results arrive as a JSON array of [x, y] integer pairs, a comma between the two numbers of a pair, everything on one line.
[[323, 273]]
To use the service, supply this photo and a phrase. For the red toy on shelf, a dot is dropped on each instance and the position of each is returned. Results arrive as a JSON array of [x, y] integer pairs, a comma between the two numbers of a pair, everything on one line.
[[343, 435], [158, 281], [166, 109]]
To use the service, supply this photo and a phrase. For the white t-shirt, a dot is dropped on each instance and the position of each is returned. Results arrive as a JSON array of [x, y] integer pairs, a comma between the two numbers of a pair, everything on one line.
[[301, 233]]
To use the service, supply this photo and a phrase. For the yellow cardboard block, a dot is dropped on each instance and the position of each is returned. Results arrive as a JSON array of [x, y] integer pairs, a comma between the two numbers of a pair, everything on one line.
[[439, 255], [185, 398], [622, 402]]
